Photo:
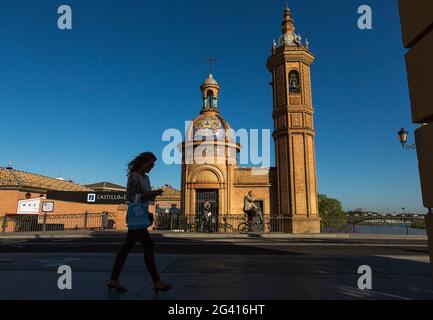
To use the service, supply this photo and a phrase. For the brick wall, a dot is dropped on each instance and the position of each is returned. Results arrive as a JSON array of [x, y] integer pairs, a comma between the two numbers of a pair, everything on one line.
[[9, 201], [262, 187]]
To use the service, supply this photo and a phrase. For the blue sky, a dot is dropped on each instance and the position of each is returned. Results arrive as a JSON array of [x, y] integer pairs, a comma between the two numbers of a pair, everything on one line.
[[82, 103]]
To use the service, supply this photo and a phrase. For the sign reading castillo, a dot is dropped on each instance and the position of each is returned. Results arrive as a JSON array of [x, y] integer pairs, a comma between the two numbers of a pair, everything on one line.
[[88, 197]]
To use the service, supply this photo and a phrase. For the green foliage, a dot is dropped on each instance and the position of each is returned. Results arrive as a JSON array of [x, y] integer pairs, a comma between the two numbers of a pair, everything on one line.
[[331, 212], [418, 224]]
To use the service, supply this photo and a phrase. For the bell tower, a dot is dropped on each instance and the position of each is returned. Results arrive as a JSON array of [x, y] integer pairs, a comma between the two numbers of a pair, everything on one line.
[[294, 132]]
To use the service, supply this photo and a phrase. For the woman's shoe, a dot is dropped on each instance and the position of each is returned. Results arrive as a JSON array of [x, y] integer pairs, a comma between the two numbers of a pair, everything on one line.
[[117, 288], [163, 288]]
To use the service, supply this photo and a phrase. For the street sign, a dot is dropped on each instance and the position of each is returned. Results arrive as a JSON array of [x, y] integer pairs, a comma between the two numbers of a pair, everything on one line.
[[47, 207], [29, 206], [88, 197]]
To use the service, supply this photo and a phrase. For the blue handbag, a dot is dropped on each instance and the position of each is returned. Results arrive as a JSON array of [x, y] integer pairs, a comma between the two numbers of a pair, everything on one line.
[[137, 217]]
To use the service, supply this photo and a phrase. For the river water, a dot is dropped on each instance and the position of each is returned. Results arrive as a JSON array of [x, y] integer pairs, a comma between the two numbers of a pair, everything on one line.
[[400, 229]]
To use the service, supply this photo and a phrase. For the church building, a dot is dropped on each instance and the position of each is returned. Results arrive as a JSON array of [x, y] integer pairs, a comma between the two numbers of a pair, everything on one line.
[[288, 190]]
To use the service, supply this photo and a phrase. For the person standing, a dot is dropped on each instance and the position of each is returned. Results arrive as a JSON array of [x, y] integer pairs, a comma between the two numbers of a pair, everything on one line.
[[139, 191], [207, 215]]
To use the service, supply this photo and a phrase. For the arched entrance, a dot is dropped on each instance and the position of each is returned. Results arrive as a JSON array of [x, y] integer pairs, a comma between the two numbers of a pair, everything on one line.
[[203, 195]]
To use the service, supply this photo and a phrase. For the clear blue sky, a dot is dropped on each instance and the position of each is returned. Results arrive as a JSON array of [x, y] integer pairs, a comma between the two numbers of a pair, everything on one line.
[[82, 103]]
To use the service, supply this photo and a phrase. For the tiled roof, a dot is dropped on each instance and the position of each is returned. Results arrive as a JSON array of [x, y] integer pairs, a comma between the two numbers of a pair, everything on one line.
[[169, 193], [15, 179], [105, 185]]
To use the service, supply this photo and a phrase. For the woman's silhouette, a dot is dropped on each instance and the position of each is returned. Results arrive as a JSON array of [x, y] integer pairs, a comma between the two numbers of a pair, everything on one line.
[[138, 190]]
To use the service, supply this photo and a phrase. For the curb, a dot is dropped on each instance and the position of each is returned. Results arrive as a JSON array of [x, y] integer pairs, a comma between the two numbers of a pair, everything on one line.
[[294, 236], [171, 234], [45, 236]]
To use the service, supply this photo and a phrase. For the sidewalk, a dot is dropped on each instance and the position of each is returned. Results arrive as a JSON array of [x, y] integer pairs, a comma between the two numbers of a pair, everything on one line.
[[207, 277], [217, 266]]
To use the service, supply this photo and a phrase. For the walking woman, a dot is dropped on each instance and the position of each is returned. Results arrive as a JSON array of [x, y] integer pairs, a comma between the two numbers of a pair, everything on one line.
[[138, 191]]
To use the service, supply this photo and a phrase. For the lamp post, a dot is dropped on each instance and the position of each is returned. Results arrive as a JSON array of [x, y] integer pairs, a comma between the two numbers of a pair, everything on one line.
[[403, 135]]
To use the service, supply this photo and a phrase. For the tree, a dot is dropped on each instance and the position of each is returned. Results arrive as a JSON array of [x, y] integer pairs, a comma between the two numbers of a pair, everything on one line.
[[331, 212]]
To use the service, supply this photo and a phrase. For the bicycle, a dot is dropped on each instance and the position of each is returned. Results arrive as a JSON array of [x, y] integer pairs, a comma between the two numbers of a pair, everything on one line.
[[258, 225], [225, 226]]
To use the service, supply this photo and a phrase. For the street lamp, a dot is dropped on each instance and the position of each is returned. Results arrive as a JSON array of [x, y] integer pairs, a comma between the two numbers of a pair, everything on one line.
[[403, 135]]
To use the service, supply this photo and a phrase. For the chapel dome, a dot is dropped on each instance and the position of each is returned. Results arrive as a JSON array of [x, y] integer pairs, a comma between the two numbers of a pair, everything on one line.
[[209, 124]]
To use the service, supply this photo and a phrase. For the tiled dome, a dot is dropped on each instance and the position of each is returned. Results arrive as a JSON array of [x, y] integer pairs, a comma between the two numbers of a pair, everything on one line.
[[209, 125], [211, 122]]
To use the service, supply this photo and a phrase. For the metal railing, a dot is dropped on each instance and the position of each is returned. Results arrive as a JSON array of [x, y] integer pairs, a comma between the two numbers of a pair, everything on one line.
[[224, 224], [375, 224], [364, 224], [359, 224], [58, 222]]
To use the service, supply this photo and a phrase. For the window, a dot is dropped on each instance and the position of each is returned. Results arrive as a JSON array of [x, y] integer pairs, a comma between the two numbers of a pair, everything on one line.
[[211, 101], [294, 82]]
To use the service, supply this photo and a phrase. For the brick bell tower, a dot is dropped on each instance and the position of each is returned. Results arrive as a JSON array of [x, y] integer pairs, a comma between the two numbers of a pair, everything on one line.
[[294, 132]]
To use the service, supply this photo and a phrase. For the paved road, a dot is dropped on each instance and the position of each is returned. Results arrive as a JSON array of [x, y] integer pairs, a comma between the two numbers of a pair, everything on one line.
[[227, 246], [220, 268]]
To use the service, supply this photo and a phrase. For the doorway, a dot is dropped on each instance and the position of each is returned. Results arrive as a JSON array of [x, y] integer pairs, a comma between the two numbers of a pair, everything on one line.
[[203, 195]]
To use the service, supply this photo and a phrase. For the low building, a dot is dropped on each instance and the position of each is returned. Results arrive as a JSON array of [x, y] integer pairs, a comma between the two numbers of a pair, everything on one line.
[[168, 201], [33, 195], [27, 194]]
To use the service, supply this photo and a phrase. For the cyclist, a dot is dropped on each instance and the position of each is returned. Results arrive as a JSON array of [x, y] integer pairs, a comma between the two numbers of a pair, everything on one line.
[[250, 208]]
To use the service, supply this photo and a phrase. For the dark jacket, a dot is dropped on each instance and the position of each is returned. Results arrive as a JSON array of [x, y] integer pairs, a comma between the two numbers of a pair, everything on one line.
[[135, 187]]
